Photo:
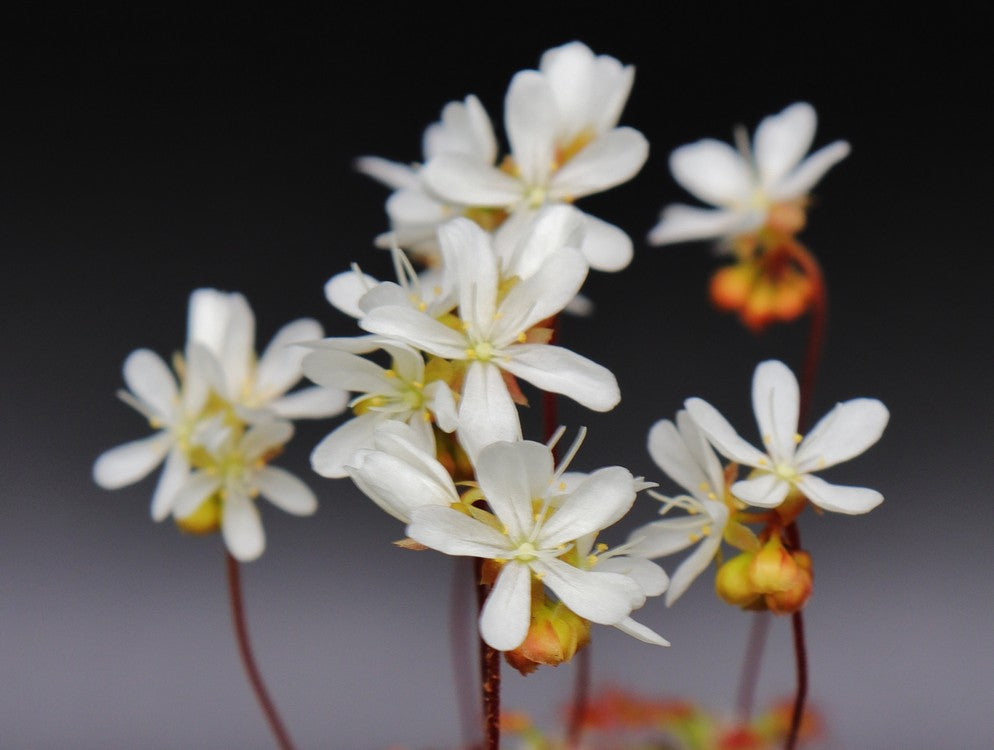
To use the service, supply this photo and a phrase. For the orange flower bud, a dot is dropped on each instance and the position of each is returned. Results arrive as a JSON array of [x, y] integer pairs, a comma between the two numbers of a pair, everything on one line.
[[773, 569], [556, 633]]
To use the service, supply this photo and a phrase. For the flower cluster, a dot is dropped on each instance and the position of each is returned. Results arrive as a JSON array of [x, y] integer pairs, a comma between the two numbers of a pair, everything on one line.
[[220, 416]]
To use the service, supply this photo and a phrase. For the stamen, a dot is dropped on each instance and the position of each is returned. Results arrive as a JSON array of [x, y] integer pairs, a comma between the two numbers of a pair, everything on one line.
[[571, 453]]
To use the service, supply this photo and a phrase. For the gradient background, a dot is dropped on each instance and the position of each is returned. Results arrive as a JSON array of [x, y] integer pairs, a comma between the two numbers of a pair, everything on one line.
[[145, 154]]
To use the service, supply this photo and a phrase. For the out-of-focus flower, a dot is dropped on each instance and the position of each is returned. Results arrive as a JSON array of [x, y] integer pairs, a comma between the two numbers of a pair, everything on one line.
[[233, 472], [490, 337], [789, 461], [764, 187], [535, 523], [560, 122]]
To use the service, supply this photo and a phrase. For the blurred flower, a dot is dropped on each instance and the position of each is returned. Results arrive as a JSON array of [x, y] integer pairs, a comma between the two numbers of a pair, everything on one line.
[[845, 432], [231, 475], [762, 187]]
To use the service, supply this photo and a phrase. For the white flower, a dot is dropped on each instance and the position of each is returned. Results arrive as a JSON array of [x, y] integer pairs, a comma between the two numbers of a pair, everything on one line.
[[172, 410], [530, 535], [846, 431], [492, 335], [684, 454], [414, 211], [223, 325], [235, 474], [399, 393], [746, 186], [398, 475], [560, 122]]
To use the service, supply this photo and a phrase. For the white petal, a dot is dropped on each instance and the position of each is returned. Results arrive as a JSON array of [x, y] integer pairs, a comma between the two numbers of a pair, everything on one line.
[[468, 252], [782, 140], [174, 474], [442, 404], [695, 564], [416, 208], [455, 533], [680, 223], [128, 463], [605, 247], [607, 161], [722, 435], [225, 325], [559, 370], [486, 413], [194, 491], [838, 498], [511, 475], [527, 238], [668, 449], [801, 180], [242, 528], [344, 290], [764, 491], [600, 500], [461, 179], [640, 631], [776, 399], [569, 69], [332, 454], [650, 577], [704, 455], [311, 403], [396, 485], [150, 379], [846, 431], [464, 128], [392, 174], [712, 171], [667, 536], [505, 616], [286, 491], [342, 370], [540, 296], [531, 120], [279, 366], [417, 329], [605, 598]]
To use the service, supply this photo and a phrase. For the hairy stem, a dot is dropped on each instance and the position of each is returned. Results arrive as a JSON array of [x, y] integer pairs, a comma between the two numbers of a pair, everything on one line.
[[248, 660]]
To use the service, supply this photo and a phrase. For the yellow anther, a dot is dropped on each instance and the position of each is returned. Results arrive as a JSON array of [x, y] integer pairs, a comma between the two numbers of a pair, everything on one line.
[[591, 560], [762, 462], [562, 547], [706, 530], [377, 401], [501, 560], [470, 354], [464, 325], [422, 306], [437, 291], [522, 338], [389, 374], [798, 437], [767, 439], [712, 496], [426, 416], [703, 486], [695, 538], [155, 423], [562, 486], [539, 576], [601, 547]]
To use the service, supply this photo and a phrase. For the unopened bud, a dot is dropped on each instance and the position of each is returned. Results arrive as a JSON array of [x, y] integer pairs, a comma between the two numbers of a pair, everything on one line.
[[773, 569], [792, 599], [732, 581], [556, 633]]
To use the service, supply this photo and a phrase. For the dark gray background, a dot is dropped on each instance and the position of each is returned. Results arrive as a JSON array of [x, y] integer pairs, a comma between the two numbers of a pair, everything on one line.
[[143, 154]]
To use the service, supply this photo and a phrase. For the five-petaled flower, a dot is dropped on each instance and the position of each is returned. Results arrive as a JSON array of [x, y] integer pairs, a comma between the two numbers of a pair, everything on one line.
[[790, 460]]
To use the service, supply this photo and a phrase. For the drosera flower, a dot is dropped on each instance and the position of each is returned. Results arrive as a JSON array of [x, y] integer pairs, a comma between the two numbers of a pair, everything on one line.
[[762, 187], [790, 460], [490, 337], [222, 323], [234, 470], [561, 124], [172, 409], [401, 393], [530, 538]]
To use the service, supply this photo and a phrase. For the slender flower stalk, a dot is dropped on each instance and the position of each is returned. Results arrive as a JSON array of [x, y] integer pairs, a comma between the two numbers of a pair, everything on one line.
[[280, 733], [489, 671]]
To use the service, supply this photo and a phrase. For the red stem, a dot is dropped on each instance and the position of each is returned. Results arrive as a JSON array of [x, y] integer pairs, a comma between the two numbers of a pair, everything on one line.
[[800, 655], [245, 650], [489, 675]]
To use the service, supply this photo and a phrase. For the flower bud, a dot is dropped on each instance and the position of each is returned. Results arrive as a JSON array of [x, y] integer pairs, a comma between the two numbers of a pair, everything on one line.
[[732, 581], [792, 599], [773, 569], [556, 633]]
